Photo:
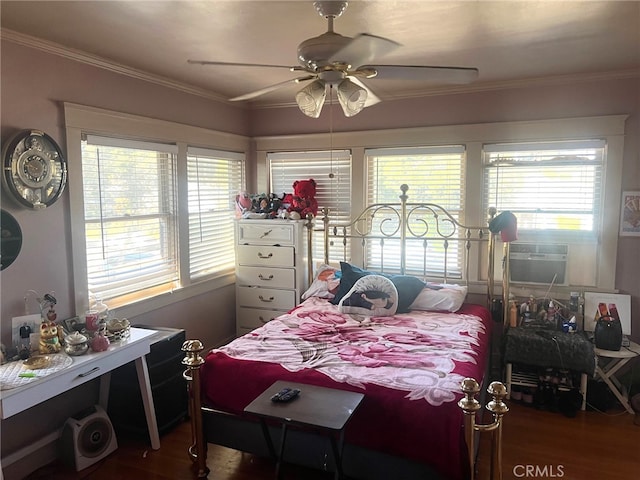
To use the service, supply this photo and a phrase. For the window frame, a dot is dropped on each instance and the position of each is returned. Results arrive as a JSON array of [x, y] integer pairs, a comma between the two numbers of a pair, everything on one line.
[[217, 157], [491, 173], [99, 183], [607, 127], [338, 160], [81, 120], [435, 269]]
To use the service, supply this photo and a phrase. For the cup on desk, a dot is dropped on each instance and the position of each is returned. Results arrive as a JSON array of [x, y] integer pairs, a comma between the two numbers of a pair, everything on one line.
[[92, 320]]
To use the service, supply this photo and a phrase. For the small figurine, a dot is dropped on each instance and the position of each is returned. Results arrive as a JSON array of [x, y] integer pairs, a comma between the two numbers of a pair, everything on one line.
[[49, 341]]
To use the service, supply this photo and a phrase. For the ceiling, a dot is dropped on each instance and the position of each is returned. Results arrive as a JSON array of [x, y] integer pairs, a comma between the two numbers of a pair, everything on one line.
[[510, 42]]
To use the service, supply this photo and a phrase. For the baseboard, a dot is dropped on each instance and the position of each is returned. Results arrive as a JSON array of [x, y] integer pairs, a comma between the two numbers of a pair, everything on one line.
[[39, 453]]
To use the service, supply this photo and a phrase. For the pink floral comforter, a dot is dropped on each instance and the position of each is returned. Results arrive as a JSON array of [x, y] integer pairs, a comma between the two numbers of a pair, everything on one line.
[[409, 366]]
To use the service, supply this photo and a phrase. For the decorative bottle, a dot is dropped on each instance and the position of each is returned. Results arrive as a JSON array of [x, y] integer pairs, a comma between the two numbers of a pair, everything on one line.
[[100, 342]]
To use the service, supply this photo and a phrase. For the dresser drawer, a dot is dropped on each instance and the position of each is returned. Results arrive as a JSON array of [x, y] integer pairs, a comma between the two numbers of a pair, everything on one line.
[[266, 277], [268, 298], [266, 234], [266, 255], [251, 318]]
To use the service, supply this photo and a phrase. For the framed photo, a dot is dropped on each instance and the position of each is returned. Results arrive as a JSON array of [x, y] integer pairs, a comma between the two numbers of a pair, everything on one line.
[[630, 214], [614, 304]]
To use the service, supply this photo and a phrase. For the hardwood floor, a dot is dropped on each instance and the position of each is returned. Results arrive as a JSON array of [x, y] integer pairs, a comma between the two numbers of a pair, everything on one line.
[[591, 446]]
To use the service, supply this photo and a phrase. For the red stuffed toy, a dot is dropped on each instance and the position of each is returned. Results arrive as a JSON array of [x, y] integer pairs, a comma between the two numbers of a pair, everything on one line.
[[304, 198]]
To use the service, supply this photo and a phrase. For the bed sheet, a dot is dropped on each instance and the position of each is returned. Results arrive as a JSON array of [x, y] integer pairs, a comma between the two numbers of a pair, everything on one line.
[[409, 366]]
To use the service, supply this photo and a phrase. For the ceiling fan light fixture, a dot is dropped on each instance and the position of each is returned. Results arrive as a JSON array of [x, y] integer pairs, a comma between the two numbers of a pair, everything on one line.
[[352, 97], [311, 98]]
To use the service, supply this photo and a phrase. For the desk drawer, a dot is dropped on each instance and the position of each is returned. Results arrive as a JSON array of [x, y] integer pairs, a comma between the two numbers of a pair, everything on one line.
[[266, 255], [83, 369], [266, 234], [267, 298], [266, 277]]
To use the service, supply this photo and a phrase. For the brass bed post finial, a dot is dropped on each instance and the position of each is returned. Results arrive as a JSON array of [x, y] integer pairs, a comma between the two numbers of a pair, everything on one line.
[[498, 408], [403, 227], [470, 406], [193, 361]]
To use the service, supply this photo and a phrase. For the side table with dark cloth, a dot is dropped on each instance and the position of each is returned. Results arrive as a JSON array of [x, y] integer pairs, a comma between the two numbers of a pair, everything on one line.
[[569, 351]]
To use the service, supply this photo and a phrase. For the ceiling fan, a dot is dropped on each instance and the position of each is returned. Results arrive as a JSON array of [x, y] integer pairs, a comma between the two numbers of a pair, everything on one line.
[[332, 61]]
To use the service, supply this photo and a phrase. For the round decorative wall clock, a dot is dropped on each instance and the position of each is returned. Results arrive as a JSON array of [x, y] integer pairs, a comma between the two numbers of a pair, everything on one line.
[[34, 169]]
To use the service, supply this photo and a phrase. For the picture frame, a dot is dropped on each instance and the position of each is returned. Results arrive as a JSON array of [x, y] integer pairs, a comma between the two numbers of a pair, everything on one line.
[[592, 302], [630, 214]]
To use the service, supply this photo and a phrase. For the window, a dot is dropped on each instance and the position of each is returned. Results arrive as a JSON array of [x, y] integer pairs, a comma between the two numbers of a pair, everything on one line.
[[138, 242], [555, 186], [434, 174], [214, 179], [129, 217], [332, 173]]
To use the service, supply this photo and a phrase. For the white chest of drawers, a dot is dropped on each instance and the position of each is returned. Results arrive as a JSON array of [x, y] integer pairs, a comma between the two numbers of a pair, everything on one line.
[[271, 270]]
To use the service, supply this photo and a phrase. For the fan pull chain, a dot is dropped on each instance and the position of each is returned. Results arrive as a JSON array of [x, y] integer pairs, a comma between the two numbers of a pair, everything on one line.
[[331, 174]]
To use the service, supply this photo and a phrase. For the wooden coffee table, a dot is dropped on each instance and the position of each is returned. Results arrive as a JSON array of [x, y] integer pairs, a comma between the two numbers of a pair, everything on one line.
[[326, 409]]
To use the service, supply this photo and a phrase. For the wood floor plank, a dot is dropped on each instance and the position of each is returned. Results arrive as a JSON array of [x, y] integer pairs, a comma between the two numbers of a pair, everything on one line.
[[590, 446]]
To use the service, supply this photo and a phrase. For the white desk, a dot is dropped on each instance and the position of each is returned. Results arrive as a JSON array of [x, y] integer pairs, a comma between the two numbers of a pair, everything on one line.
[[88, 367], [616, 360]]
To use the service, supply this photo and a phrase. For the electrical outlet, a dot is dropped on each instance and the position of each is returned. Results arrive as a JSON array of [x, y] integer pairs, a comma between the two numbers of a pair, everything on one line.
[[32, 322]]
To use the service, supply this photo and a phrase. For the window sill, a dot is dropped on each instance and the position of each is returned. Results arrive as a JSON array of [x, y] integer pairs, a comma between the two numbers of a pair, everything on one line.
[[178, 295]]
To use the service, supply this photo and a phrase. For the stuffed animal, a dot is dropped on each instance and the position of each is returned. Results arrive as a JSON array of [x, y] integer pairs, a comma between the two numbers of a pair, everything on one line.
[[243, 203], [304, 200]]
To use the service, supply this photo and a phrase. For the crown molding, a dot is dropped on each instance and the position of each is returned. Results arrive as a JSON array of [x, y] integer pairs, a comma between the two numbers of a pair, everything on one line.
[[94, 60], [555, 80]]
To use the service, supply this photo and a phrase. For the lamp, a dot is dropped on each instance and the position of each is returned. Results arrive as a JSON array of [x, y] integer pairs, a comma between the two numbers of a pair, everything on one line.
[[351, 97], [311, 98]]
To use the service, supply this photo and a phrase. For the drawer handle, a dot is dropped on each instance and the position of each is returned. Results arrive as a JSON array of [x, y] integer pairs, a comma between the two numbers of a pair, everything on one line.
[[266, 233], [263, 320], [86, 374], [270, 299], [261, 277], [260, 255]]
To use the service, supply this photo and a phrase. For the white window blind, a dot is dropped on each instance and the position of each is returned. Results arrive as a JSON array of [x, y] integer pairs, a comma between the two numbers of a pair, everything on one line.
[[331, 171], [548, 186], [130, 217], [214, 179], [435, 175]]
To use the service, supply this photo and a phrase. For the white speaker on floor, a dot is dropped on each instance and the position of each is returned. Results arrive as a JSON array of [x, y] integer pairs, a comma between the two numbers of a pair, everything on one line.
[[87, 438]]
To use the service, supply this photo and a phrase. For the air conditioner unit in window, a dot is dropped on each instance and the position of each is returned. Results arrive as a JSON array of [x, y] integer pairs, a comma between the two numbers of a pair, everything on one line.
[[538, 263]]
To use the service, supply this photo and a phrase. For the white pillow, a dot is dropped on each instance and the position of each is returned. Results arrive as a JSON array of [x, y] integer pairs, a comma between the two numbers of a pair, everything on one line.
[[447, 297], [372, 296], [325, 284]]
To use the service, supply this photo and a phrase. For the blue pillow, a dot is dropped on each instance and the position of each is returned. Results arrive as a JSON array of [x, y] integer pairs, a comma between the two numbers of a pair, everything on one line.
[[408, 287]]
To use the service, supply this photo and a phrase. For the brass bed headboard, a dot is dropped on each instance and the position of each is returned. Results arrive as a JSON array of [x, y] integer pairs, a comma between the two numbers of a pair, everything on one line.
[[412, 228]]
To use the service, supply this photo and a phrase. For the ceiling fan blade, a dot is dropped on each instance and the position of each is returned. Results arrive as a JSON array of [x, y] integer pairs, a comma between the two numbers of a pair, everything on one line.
[[271, 88], [451, 75], [364, 48], [372, 98], [233, 64]]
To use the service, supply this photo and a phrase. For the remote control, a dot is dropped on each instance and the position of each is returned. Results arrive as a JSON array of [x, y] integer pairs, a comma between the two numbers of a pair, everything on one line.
[[285, 395]]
